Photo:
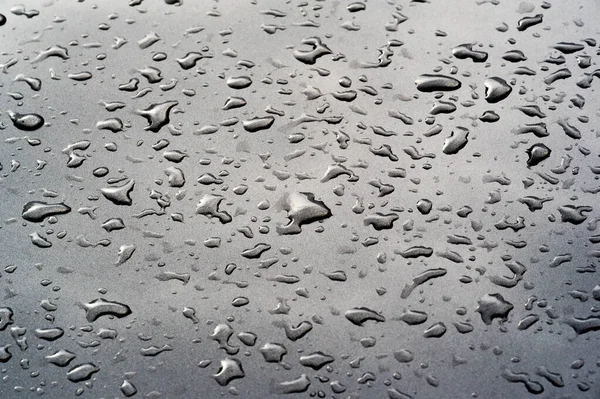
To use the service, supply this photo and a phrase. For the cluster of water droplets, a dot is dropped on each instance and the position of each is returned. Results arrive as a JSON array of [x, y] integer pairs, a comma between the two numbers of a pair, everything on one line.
[[314, 198]]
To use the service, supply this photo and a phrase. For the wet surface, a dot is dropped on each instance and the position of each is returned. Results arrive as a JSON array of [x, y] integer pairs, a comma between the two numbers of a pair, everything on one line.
[[308, 198]]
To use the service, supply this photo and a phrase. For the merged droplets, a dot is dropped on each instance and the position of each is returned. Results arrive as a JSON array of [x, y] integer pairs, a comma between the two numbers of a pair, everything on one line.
[[496, 89], [466, 51], [157, 115], [493, 306], [26, 122], [119, 195], [358, 316], [456, 142], [310, 57], [37, 211], [101, 307], [209, 206], [537, 153], [302, 208], [229, 370]]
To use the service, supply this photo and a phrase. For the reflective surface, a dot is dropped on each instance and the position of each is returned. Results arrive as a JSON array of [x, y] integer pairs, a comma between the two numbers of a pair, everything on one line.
[[304, 198]]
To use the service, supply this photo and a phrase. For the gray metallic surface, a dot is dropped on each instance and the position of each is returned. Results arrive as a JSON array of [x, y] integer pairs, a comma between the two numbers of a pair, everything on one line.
[[504, 301]]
